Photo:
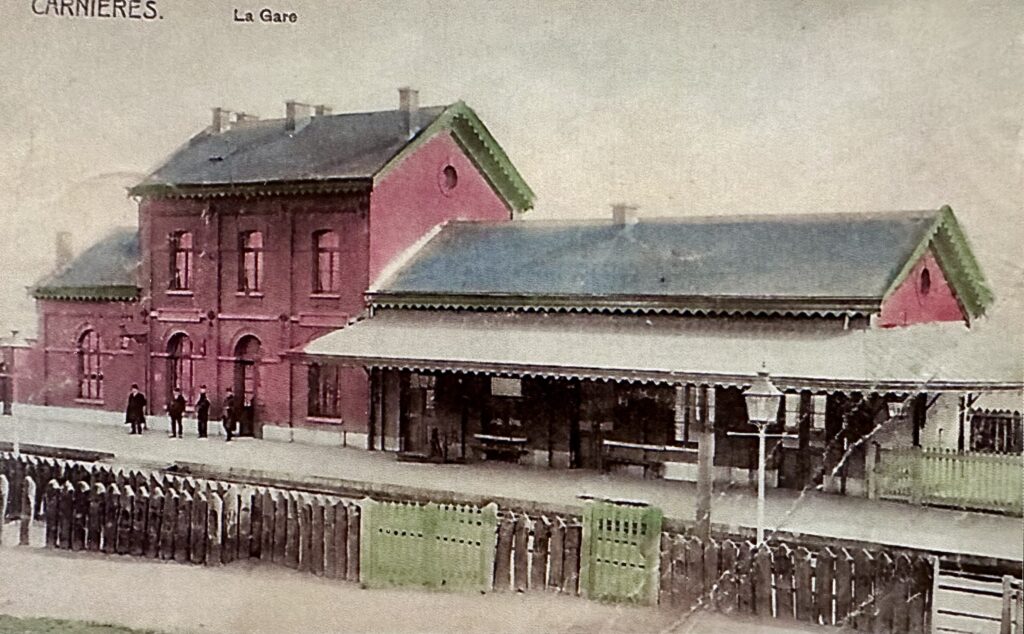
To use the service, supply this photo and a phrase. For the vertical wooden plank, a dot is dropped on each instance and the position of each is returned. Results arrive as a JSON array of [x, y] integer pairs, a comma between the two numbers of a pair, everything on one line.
[[155, 510], [725, 598], [665, 570], [244, 523], [111, 509], [124, 521], [902, 586], [824, 574], [229, 544], [678, 572], [291, 549], [52, 511], [745, 578], [80, 511], [521, 553], [712, 583], [341, 539], [783, 558], [354, 535], [571, 559], [305, 534], [803, 580], [330, 555], [183, 529], [762, 581], [317, 538], [140, 513], [168, 525], [280, 527], [256, 523], [214, 528], [94, 530], [693, 577], [28, 507], [503, 556], [864, 607], [557, 554], [844, 587], [198, 534], [267, 526], [885, 574], [539, 563], [920, 596]]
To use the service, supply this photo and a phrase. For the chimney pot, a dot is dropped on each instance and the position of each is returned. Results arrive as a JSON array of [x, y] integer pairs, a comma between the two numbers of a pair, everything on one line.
[[624, 214], [296, 115], [221, 120], [62, 249], [409, 106]]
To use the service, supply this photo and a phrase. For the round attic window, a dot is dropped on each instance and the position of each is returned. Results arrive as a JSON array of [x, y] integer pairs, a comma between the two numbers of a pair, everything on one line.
[[449, 179], [926, 282]]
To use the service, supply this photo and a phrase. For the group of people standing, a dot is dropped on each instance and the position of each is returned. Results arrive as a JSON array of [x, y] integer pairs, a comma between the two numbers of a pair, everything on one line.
[[135, 413]]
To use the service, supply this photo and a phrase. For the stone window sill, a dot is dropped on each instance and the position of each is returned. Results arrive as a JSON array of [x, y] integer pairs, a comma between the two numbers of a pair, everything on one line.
[[255, 294], [322, 420], [180, 292], [325, 296], [89, 401]]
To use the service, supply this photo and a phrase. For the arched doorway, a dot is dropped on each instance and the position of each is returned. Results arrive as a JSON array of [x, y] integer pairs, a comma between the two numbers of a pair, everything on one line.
[[180, 366], [247, 381]]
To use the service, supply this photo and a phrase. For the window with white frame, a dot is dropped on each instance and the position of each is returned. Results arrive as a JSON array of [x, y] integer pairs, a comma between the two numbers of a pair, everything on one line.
[[792, 404]]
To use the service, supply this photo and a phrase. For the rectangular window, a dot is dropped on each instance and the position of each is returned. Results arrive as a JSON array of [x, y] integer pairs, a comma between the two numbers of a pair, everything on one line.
[[250, 261], [792, 405], [501, 386], [324, 391], [326, 262], [684, 411], [180, 261]]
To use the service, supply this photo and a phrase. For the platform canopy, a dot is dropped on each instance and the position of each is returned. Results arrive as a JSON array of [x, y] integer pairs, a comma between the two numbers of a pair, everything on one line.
[[675, 350]]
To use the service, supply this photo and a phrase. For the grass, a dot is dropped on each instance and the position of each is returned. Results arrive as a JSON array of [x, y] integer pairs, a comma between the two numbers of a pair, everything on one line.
[[14, 625]]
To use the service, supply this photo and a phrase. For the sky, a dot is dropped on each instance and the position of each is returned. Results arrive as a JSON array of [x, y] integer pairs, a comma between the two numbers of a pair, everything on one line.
[[683, 107]]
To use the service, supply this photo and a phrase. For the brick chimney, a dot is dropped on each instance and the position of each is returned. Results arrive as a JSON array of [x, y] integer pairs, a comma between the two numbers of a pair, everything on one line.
[[63, 253], [322, 111], [296, 115], [221, 120], [241, 118], [409, 106], [624, 214]]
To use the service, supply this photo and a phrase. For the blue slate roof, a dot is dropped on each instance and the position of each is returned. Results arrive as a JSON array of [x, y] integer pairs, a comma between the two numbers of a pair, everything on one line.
[[107, 270], [822, 260], [341, 146]]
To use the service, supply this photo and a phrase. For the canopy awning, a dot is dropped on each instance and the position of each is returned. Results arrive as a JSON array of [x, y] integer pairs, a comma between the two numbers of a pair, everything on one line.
[[675, 350]]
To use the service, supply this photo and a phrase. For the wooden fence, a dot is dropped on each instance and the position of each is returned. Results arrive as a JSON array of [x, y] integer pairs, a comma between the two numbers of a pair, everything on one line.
[[860, 590], [949, 478], [187, 521]]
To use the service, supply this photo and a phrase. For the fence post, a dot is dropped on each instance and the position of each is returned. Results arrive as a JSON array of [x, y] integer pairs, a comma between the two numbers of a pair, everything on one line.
[[870, 463], [94, 527], [156, 512], [214, 520], [1006, 616], [503, 556], [521, 553], [28, 510], [354, 532], [933, 621], [5, 490]]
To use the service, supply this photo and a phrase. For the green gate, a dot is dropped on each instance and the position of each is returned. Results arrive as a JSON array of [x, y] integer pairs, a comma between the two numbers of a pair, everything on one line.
[[620, 558], [436, 546]]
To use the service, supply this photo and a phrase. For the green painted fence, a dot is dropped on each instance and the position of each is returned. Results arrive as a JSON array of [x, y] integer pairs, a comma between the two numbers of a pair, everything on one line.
[[619, 559], [436, 546], [950, 478]]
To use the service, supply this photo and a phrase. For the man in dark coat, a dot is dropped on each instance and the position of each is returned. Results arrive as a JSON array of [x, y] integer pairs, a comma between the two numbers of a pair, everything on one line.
[[202, 411], [135, 413], [176, 410], [228, 414]]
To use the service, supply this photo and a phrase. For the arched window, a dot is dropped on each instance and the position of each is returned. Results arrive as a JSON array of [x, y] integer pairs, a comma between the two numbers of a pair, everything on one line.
[[250, 261], [326, 262], [180, 365], [926, 282], [181, 261], [90, 366]]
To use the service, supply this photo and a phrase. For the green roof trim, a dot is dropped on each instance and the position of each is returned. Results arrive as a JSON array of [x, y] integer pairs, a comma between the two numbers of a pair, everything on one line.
[[952, 250], [481, 147], [87, 293]]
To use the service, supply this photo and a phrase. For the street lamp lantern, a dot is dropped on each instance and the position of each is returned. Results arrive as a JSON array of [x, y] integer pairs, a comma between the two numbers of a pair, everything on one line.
[[763, 400]]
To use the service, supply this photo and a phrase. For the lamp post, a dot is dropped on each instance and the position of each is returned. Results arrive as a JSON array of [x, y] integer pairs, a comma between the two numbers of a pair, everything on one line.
[[763, 400]]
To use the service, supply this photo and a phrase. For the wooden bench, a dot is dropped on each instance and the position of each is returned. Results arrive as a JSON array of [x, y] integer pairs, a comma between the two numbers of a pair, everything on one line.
[[493, 446], [651, 457]]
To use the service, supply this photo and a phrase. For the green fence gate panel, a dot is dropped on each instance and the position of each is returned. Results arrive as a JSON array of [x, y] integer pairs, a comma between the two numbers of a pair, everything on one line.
[[435, 546], [620, 559]]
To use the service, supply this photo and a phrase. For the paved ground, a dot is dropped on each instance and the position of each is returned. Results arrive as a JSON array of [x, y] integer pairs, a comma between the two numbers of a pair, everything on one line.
[[827, 515], [251, 599]]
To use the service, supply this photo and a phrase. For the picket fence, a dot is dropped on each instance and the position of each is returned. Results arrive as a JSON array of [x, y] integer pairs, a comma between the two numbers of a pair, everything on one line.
[[159, 516], [951, 478]]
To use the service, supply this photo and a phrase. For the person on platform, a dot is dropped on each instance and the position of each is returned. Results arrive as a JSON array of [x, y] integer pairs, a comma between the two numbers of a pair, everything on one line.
[[228, 414], [176, 410], [202, 411], [135, 413]]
